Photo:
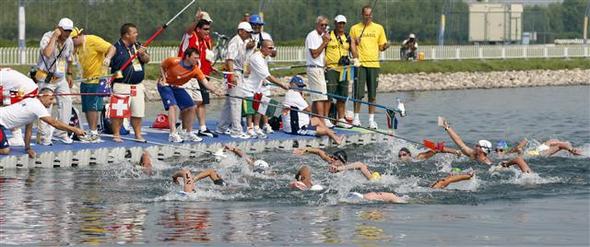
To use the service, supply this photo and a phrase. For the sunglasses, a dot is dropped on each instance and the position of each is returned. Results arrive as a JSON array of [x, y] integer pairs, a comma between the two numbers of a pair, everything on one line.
[[323, 25], [499, 150], [270, 47], [402, 155], [206, 29]]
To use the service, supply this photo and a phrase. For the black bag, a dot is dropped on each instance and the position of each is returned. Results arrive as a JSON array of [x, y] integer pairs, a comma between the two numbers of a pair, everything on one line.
[[344, 61]]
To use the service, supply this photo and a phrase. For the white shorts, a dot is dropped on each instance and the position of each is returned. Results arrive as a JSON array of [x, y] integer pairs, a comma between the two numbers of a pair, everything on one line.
[[316, 81], [137, 102], [192, 88]]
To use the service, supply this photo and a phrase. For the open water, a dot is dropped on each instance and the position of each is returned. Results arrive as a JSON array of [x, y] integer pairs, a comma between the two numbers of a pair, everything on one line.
[[117, 204]]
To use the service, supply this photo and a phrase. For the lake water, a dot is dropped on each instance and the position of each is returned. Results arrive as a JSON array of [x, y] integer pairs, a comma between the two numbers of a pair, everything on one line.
[[116, 204]]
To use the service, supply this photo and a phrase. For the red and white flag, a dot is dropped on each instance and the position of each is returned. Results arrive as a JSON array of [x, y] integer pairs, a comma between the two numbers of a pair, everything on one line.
[[119, 107], [256, 100]]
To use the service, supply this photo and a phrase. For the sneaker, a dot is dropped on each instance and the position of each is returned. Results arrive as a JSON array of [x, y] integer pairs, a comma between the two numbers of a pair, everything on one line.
[[47, 143], [373, 125], [16, 142], [268, 129], [328, 123], [206, 133], [259, 133], [356, 122], [251, 133], [220, 131], [190, 136], [66, 140], [174, 137], [94, 136], [240, 135], [343, 124]]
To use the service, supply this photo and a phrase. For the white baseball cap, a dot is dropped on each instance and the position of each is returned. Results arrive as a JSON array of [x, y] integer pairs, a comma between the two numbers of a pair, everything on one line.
[[205, 16], [245, 26], [66, 24], [340, 18], [412, 36]]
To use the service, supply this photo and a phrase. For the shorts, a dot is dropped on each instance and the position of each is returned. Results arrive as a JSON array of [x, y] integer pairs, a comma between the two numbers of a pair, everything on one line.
[[91, 102], [316, 81], [247, 108], [137, 102], [172, 96], [334, 85], [366, 76], [3, 139]]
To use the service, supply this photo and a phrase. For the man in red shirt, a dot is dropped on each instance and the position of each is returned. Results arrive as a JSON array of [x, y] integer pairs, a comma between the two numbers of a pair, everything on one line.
[[197, 36]]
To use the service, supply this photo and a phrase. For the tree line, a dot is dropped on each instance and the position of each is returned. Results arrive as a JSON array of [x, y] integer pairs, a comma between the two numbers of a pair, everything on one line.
[[287, 20]]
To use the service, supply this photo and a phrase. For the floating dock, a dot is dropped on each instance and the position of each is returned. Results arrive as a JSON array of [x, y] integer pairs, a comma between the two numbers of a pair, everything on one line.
[[80, 154]]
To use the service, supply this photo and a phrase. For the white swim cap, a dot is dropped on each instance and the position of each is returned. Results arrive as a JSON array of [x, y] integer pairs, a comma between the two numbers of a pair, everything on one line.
[[261, 164], [485, 145], [316, 187]]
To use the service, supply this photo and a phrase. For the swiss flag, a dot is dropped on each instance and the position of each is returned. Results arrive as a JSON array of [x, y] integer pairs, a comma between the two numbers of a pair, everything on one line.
[[119, 107]]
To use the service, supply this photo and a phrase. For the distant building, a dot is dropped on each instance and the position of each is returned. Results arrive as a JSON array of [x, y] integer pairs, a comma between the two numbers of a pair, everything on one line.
[[495, 23]]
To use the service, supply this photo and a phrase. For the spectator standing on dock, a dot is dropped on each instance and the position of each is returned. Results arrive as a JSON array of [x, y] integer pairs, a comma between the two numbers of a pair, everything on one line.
[[315, 53], [94, 56], [369, 38], [258, 35], [131, 80], [54, 70], [337, 57], [197, 36], [231, 114]]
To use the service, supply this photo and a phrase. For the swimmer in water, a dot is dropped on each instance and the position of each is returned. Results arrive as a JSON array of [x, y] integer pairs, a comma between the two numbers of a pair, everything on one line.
[[404, 154], [553, 146], [338, 162], [190, 180], [303, 180], [377, 196], [146, 163], [259, 166]]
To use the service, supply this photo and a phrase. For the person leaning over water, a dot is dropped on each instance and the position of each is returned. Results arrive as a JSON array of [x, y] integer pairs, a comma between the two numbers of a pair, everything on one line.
[[189, 180], [24, 113], [481, 150], [338, 162]]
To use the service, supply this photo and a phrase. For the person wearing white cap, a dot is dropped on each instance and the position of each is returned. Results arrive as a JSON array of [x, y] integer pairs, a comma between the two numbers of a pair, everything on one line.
[[409, 47], [54, 71], [337, 56], [231, 115], [481, 151]]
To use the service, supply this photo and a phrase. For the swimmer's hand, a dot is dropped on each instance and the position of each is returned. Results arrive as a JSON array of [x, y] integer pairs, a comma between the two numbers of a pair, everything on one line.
[[299, 151], [333, 169]]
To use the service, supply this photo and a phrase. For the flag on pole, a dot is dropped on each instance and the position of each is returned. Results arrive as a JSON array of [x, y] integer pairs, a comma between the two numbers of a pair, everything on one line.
[[104, 86], [119, 107]]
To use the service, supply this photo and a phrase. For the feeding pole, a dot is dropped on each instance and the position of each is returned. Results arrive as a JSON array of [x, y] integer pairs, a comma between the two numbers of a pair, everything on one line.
[[21, 31]]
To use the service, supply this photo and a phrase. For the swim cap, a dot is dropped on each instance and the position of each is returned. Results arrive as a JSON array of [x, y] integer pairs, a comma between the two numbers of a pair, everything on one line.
[[375, 176], [354, 196], [316, 187], [485, 145], [261, 164], [340, 155], [456, 169], [502, 145]]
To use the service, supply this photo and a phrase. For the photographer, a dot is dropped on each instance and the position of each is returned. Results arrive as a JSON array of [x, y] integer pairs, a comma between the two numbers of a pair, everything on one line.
[[337, 53], [409, 47]]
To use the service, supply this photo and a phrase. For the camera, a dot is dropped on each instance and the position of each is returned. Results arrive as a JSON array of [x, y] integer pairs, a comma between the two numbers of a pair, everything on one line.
[[48, 78], [344, 61]]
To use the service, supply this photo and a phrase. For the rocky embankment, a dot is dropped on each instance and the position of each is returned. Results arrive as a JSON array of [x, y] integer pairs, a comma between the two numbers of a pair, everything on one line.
[[450, 81]]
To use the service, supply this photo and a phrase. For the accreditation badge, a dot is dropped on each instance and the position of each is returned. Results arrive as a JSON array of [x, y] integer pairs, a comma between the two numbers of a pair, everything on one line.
[[137, 65]]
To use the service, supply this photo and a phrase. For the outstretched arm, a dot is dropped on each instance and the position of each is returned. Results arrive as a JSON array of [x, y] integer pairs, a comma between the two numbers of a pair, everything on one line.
[[430, 153], [457, 139], [316, 151], [208, 173], [62, 126], [451, 179], [240, 154], [519, 161]]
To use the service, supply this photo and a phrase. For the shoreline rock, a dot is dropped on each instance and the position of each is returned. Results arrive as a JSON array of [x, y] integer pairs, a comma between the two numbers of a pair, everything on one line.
[[443, 81]]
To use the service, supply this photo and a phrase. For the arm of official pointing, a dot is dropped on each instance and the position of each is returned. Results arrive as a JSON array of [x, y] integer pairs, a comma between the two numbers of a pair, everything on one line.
[[277, 82], [62, 126]]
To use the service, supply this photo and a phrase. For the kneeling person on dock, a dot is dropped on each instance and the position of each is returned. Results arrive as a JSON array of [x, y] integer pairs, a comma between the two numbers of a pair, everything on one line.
[[174, 73], [24, 113], [189, 179]]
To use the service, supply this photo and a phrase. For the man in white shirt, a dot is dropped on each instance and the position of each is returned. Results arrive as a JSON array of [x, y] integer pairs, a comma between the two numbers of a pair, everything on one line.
[[14, 82], [409, 47], [258, 73], [315, 46], [54, 70], [231, 115], [299, 123], [24, 113]]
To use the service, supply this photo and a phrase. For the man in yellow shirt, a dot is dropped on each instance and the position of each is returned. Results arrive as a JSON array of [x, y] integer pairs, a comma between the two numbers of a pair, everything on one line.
[[94, 56], [337, 56], [369, 38]]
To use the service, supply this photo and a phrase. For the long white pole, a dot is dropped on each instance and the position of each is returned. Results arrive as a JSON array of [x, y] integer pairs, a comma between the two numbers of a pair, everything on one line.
[[21, 31]]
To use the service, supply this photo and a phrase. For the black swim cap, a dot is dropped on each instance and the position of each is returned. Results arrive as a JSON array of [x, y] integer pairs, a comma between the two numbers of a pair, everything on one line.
[[340, 155]]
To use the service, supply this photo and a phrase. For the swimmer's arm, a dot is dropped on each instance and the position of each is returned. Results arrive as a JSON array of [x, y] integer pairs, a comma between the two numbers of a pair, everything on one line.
[[519, 147], [428, 154], [178, 174], [451, 179], [520, 162], [240, 154], [457, 140], [318, 152]]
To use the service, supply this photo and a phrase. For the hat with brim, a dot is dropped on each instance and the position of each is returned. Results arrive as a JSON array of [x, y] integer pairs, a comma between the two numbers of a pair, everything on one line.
[[66, 24], [205, 16], [245, 26], [76, 32]]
